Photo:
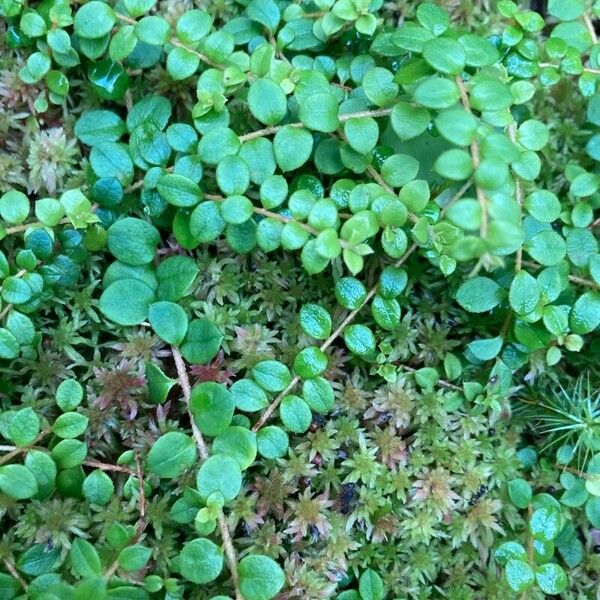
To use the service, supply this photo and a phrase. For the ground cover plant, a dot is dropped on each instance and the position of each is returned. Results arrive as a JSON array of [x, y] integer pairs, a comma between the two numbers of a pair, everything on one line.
[[299, 300]]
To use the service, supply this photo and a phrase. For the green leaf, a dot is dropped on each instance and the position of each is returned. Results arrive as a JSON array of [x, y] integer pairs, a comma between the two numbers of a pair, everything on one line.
[[84, 559], [272, 442], [409, 121], [261, 578], [126, 301], [479, 294], [454, 164], [9, 345], [271, 375], [519, 575], [202, 342], [318, 394], [547, 247], [437, 92], [159, 385], [193, 25], [15, 290], [350, 292], [69, 395], [545, 523], [14, 207], [566, 11], [533, 134], [44, 470], [182, 63], [248, 396], [520, 493], [510, 550], [237, 442], [359, 339], [479, 52], [293, 147], [295, 414], [98, 488], [169, 321], [122, 43], [69, 453], [310, 362], [218, 143], [551, 578], [94, 20], [134, 557], [24, 427], [9, 587], [267, 101], [524, 293], [490, 94], [585, 315], [212, 406], [386, 312], [178, 190], [112, 159], [153, 30], [543, 205], [445, 55], [200, 561], [433, 18], [379, 86], [370, 586], [399, 169], [206, 222], [315, 321], [151, 110], [457, 126], [485, 349], [32, 25], [175, 276], [581, 246], [219, 474], [17, 482], [69, 425], [133, 241], [584, 185], [171, 455], [233, 175], [236, 210], [362, 134], [319, 112]]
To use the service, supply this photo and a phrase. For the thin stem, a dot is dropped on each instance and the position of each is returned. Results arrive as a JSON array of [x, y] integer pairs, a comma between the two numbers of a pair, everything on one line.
[[106, 467], [184, 382], [572, 278], [545, 65], [230, 553], [590, 27], [382, 112], [512, 132], [475, 156], [125, 19], [278, 217], [202, 57], [10, 567], [16, 451], [26, 226]]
